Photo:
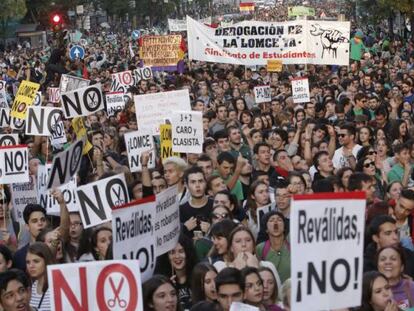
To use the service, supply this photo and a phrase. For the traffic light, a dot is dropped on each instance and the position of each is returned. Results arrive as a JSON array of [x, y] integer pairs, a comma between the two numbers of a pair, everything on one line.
[[57, 22]]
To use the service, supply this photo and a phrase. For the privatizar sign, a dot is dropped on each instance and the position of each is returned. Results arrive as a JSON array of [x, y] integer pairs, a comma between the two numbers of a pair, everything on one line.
[[300, 90], [14, 164], [254, 43], [329, 229], [187, 131], [99, 285], [96, 199], [133, 234]]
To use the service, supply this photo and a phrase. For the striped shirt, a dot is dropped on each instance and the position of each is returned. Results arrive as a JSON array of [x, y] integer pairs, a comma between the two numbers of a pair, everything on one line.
[[37, 302]]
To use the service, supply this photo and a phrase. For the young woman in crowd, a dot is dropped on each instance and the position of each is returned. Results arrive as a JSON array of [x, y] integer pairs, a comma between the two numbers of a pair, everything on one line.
[[94, 244], [38, 258], [159, 294], [203, 283], [270, 288], [376, 293], [220, 236], [391, 262], [178, 264], [253, 288], [50, 236]]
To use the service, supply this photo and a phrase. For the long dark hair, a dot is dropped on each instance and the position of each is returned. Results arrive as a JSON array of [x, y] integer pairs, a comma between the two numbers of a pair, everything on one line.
[[197, 281], [88, 241], [367, 284], [43, 251], [149, 288], [164, 267]]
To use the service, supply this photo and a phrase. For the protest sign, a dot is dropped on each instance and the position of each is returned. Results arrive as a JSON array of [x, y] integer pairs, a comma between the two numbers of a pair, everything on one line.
[[9, 139], [161, 51], [4, 117], [262, 211], [319, 223], [262, 94], [167, 220], [23, 194], [3, 95], [133, 235], [274, 65], [254, 42], [53, 94], [43, 121], [166, 142], [25, 97], [80, 131], [144, 73], [17, 124], [96, 199], [38, 99], [153, 109], [65, 165], [121, 81], [114, 103], [187, 131], [300, 90], [181, 24], [98, 285], [300, 11], [44, 197], [70, 83], [239, 306], [136, 143], [82, 102], [14, 164]]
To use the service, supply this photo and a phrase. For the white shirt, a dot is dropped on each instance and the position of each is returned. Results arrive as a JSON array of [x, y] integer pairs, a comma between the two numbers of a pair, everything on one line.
[[339, 161]]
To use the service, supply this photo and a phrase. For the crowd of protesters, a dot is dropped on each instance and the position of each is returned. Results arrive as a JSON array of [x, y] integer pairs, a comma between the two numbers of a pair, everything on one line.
[[355, 134]]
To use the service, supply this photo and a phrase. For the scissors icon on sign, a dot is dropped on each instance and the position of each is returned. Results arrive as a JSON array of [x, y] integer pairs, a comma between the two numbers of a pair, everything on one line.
[[121, 302]]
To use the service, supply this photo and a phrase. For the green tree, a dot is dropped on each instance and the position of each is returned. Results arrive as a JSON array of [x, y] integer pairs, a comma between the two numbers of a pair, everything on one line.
[[10, 10]]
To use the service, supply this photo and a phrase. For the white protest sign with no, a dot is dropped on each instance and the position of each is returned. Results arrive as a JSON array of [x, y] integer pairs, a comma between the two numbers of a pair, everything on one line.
[[133, 234], [83, 102], [187, 131], [137, 142], [121, 81], [98, 285], [167, 221], [144, 73], [53, 94], [9, 139], [300, 90], [96, 199], [115, 102], [262, 94], [65, 165], [329, 229], [43, 121], [70, 83], [153, 109], [14, 164]]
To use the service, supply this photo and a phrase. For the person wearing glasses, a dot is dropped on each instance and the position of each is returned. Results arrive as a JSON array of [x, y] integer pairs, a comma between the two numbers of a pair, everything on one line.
[[346, 155], [367, 166], [75, 232]]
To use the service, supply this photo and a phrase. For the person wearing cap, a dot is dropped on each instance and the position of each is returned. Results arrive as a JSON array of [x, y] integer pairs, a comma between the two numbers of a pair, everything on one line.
[[357, 46]]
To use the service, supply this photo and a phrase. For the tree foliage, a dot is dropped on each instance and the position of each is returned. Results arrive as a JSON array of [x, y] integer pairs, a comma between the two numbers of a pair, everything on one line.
[[11, 10]]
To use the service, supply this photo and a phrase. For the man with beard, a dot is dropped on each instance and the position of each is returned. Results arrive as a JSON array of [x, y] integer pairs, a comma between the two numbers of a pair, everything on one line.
[[407, 92], [195, 213]]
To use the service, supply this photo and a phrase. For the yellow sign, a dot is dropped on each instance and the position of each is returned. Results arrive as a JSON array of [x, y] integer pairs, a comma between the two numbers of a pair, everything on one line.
[[25, 97], [160, 51], [274, 65], [80, 130], [166, 142]]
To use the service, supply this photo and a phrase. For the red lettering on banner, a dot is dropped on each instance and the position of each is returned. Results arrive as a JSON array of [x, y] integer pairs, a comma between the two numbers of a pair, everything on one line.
[[100, 287], [62, 285]]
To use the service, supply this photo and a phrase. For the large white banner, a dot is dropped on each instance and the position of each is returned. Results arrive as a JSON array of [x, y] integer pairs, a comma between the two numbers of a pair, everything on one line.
[[327, 238], [97, 285], [153, 109], [167, 220], [96, 199], [254, 42], [133, 234]]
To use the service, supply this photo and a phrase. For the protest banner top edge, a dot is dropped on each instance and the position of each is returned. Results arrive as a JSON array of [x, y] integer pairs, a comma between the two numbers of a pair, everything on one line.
[[331, 196], [110, 93], [151, 198], [13, 146]]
